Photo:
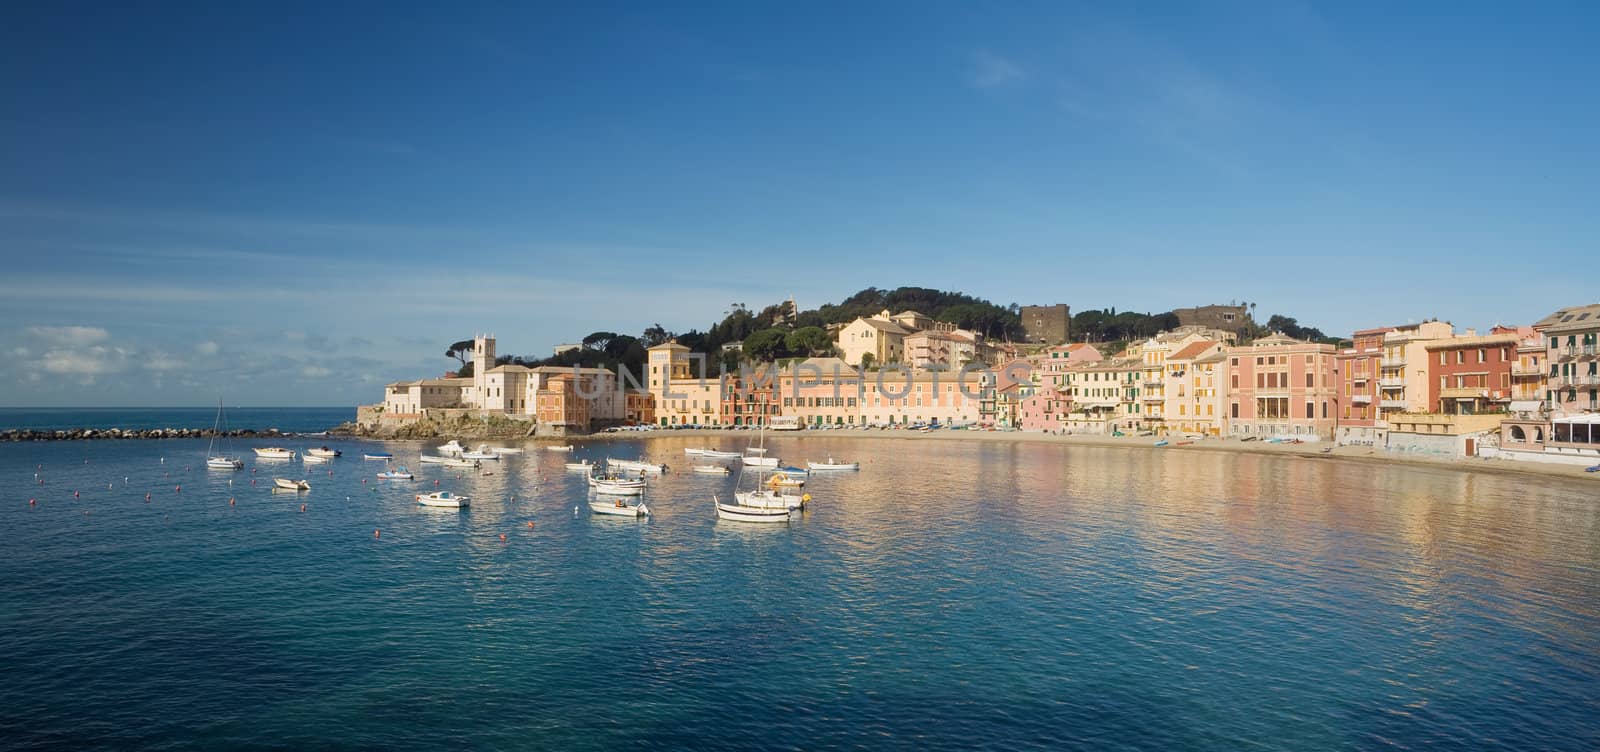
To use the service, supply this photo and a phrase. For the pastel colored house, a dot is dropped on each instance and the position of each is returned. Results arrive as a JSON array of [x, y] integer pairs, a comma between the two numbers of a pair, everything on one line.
[[1403, 369], [1279, 386], [1357, 369], [820, 391], [1045, 410], [1471, 375], [1572, 338], [1105, 396], [1193, 382], [683, 395], [878, 336], [910, 396]]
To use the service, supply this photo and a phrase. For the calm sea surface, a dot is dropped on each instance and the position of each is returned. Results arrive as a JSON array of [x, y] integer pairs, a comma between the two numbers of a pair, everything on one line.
[[948, 596]]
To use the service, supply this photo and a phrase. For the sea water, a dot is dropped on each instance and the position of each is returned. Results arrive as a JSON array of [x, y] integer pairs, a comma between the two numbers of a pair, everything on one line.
[[946, 596]]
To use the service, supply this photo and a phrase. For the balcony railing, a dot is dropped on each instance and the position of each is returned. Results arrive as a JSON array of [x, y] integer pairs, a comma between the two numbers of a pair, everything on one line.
[[1567, 353], [1393, 404], [1359, 378], [1360, 399], [1392, 363], [1588, 351], [1153, 398], [1391, 383], [1526, 371]]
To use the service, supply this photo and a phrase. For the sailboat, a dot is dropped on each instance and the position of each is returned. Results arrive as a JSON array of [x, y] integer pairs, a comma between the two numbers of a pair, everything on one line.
[[762, 501], [226, 461]]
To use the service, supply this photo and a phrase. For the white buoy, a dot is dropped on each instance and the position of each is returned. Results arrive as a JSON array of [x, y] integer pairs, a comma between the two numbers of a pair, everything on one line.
[[574, 511]]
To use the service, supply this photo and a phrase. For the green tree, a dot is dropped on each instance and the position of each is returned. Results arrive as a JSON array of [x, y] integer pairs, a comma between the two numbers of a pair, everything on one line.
[[765, 345], [460, 351], [811, 340]]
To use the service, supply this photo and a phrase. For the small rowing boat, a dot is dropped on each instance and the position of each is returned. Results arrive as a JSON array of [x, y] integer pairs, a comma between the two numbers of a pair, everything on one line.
[[443, 499], [284, 484]]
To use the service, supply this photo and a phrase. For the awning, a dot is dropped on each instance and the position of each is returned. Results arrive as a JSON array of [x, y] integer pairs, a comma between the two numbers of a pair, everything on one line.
[[1526, 406], [1591, 418]]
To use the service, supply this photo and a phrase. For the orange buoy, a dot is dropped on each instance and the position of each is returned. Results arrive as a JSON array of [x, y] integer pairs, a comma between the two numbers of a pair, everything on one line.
[[530, 524], [502, 535], [375, 533]]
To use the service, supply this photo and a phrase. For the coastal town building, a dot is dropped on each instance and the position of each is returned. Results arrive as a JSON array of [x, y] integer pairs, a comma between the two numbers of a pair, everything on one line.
[[1403, 370], [1572, 352], [1105, 396], [873, 340], [1193, 387], [1471, 374], [1047, 324], [1234, 319], [1045, 410], [943, 348], [910, 396], [1357, 368], [820, 391], [1279, 386]]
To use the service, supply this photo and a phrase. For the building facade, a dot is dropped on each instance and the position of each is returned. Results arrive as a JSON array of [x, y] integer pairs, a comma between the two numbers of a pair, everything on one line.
[[1279, 386], [1047, 324]]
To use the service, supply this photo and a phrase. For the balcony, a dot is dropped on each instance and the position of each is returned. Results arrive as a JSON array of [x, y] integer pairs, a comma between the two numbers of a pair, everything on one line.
[[1587, 351], [1151, 384], [1153, 398], [1566, 353], [1464, 392], [1360, 399], [1392, 404], [1391, 383], [1526, 371], [1392, 363], [1358, 378]]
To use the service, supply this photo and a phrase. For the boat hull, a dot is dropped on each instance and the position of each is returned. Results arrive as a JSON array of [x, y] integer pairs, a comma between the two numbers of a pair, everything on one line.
[[712, 453], [602, 487], [451, 502], [274, 453], [315, 459], [284, 484], [224, 463], [761, 461], [611, 508], [739, 513], [580, 465], [711, 470], [377, 456], [834, 466], [634, 466]]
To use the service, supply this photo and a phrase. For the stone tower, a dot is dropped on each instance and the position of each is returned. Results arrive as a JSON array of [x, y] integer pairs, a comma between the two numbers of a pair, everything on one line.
[[482, 361]]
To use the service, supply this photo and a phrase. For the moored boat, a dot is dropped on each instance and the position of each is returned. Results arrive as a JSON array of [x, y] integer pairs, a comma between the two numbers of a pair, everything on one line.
[[274, 453], [452, 447], [227, 460], [462, 463], [443, 499], [506, 450], [285, 484], [314, 459], [385, 456], [483, 452], [638, 466], [711, 469], [833, 464], [718, 454], [618, 508], [559, 448], [583, 465], [399, 473], [324, 452], [428, 459], [742, 513]]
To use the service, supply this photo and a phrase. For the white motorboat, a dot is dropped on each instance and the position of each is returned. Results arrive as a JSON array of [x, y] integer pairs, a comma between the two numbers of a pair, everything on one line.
[[637, 466], [462, 463], [274, 453], [618, 508], [506, 450], [559, 448], [833, 464], [742, 513], [443, 499], [399, 473], [616, 484], [284, 484], [385, 456], [323, 452], [428, 459], [483, 452], [711, 469], [314, 459], [717, 454], [452, 447], [227, 460], [759, 461], [694, 451], [584, 465]]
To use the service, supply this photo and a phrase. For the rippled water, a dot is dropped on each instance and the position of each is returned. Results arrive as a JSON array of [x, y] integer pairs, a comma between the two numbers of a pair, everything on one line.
[[949, 596]]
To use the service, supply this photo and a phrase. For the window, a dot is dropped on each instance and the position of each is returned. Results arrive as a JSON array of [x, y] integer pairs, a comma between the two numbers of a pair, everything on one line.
[[1236, 381], [1311, 410], [1235, 409], [1325, 410], [1483, 355], [1310, 380], [1442, 360], [1461, 357]]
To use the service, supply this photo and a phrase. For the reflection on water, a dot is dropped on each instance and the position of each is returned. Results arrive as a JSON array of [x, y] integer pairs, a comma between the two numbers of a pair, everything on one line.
[[948, 595]]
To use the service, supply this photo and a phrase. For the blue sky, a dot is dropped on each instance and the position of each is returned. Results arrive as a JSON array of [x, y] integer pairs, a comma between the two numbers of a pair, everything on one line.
[[294, 204]]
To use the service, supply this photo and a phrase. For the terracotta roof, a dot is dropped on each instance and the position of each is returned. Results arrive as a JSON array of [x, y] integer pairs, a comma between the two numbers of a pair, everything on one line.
[[1192, 350]]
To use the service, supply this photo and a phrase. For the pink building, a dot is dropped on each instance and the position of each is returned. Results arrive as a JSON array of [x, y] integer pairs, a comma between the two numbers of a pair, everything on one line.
[[1281, 386], [1045, 411]]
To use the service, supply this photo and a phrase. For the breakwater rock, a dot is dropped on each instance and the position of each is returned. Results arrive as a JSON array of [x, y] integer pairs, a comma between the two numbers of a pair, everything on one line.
[[457, 428], [79, 434]]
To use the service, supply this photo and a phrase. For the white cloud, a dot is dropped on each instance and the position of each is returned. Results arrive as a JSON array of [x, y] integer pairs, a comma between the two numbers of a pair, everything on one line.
[[991, 71], [315, 372], [96, 360], [70, 336], [206, 348], [21, 352], [294, 335]]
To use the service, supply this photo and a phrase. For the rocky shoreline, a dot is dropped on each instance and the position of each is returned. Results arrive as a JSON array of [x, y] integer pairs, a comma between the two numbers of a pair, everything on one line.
[[83, 434]]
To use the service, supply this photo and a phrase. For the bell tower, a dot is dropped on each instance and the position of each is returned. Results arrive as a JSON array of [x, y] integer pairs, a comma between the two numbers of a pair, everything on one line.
[[482, 361]]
